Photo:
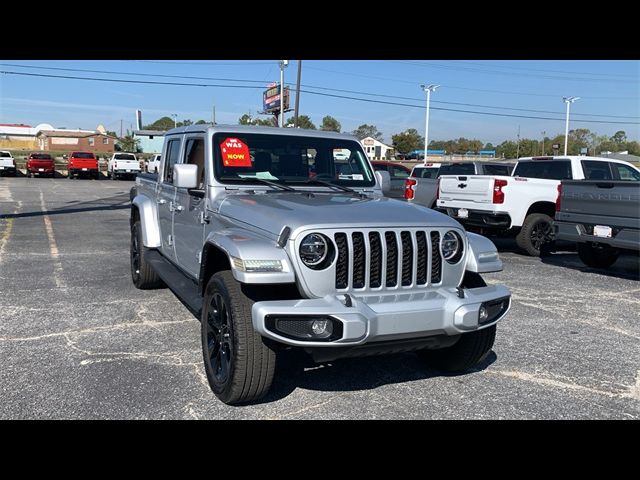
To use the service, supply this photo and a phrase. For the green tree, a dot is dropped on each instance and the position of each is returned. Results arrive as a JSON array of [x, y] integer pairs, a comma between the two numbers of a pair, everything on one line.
[[112, 133], [185, 123], [619, 137], [330, 124], [364, 131], [128, 143], [164, 123], [507, 149], [201, 122], [303, 122], [247, 119], [407, 141]]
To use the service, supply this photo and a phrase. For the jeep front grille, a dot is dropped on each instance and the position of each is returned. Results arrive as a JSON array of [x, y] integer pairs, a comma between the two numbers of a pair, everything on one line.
[[387, 259]]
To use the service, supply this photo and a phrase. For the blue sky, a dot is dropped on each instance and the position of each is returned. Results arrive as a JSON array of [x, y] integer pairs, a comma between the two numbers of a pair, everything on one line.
[[609, 91]]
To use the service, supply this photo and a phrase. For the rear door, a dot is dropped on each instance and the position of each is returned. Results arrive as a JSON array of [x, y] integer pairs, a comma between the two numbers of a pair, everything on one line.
[[189, 205], [166, 196]]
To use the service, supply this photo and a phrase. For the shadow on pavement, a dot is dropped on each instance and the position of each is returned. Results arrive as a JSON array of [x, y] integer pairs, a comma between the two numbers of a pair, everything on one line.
[[296, 370], [626, 267], [116, 202]]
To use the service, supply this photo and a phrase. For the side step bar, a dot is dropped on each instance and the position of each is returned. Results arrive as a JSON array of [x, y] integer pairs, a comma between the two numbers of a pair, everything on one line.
[[184, 287]]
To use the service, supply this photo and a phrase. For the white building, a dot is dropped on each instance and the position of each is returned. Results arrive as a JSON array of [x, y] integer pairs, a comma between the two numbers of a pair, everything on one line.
[[375, 149]]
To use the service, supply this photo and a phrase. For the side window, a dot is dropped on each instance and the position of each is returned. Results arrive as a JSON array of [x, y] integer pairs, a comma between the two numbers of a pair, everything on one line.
[[173, 150], [596, 170], [398, 172], [194, 155], [625, 172]]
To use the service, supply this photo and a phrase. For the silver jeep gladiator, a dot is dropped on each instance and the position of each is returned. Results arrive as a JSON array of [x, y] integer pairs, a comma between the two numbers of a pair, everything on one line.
[[275, 243]]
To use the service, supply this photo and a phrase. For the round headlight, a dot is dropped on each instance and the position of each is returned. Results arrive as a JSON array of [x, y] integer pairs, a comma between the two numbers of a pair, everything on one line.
[[451, 246], [313, 249]]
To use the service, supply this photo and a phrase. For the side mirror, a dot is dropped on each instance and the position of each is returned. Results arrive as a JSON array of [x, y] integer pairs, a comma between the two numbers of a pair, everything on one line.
[[383, 178], [185, 176]]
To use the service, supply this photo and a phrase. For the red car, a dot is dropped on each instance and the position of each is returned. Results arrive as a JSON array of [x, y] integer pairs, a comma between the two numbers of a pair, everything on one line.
[[83, 164], [39, 163]]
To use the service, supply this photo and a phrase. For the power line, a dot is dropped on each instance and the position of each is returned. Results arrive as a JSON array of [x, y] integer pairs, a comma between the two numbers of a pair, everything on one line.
[[510, 74], [306, 86], [552, 71], [234, 63], [68, 77], [505, 92]]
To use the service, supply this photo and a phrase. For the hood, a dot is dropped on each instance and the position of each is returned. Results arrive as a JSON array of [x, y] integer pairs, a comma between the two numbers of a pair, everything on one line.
[[274, 210]]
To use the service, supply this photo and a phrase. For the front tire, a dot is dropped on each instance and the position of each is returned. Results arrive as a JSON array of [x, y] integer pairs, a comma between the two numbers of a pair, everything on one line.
[[535, 234], [466, 353], [144, 277], [239, 364], [597, 256]]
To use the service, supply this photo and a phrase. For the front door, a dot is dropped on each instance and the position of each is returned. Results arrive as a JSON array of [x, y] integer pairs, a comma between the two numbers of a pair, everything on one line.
[[188, 226], [166, 197]]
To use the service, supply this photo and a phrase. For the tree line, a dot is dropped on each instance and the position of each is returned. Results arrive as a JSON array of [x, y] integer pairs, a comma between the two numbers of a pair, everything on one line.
[[409, 140]]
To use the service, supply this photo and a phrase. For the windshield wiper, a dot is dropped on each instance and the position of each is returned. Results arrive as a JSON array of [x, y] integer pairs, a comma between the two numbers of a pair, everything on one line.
[[262, 181], [313, 181]]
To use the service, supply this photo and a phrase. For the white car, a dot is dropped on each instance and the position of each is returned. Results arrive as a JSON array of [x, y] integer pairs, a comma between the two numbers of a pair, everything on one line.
[[123, 164], [153, 164]]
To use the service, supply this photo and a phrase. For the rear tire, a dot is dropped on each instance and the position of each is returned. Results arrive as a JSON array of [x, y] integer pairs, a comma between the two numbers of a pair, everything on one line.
[[239, 364], [144, 277], [601, 256], [536, 232]]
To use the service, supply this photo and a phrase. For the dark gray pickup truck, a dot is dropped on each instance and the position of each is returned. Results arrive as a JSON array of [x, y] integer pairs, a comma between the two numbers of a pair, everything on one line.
[[601, 216]]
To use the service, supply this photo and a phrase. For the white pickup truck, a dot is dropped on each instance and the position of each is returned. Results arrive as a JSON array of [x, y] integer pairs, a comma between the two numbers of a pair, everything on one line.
[[523, 203], [123, 164], [7, 164], [153, 164]]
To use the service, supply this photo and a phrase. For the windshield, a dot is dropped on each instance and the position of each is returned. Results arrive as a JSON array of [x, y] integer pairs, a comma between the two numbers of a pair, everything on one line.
[[424, 172], [290, 159], [41, 156], [82, 155], [5, 154], [124, 156]]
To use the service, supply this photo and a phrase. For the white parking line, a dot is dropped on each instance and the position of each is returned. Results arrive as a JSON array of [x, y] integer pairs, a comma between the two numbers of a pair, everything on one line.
[[53, 246]]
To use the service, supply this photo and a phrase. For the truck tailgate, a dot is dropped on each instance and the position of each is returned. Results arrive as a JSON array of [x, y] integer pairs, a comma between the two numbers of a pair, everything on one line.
[[615, 203], [126, 165], [468, 189]]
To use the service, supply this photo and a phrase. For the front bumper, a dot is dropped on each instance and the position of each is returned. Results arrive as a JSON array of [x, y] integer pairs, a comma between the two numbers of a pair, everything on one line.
[[379, 318]]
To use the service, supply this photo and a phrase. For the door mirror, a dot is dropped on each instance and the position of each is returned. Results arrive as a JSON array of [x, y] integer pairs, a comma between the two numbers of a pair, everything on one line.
[[185, 176], [384, 180]]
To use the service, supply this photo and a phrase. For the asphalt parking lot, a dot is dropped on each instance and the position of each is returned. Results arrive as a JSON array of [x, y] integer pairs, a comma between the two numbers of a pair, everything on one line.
[[78, 341]]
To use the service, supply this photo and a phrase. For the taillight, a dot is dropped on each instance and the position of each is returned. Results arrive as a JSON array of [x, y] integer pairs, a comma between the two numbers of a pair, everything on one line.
[[558, 198], [498, 194], [409, 192], [438, 189]]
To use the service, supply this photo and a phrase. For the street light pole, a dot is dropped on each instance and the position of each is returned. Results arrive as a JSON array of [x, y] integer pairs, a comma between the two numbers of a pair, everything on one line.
[[427, 89], [175, 119], [283, 64], [568, 101], [543, 134]]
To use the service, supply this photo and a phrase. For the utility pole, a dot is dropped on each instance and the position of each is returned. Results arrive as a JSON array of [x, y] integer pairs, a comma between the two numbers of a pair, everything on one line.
[[120, 128], [568, 101], [283, 65], [214, 114], [295, 114], [427, 89], [543, 134], [518, 147]]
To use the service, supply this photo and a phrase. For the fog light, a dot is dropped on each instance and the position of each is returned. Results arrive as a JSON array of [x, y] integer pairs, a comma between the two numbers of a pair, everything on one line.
[[318, 327], [492, 310], [484, 314]]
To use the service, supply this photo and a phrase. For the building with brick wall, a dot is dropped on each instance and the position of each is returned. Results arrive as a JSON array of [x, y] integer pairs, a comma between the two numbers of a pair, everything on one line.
[[72, 140]]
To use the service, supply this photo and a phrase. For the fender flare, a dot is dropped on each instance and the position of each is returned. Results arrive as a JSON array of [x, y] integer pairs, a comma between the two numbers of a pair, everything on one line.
[[148, 221], [483, 255]]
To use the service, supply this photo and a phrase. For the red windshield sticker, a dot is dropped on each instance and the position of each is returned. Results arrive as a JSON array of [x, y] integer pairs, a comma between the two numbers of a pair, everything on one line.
[[235, 153]]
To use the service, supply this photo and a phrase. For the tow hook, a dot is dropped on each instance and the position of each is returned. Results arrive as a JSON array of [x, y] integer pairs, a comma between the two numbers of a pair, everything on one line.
[[460, 291]]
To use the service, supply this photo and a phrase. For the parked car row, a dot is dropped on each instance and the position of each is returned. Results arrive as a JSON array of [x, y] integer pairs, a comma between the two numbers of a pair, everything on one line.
[[591, 201], [79, 164]]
